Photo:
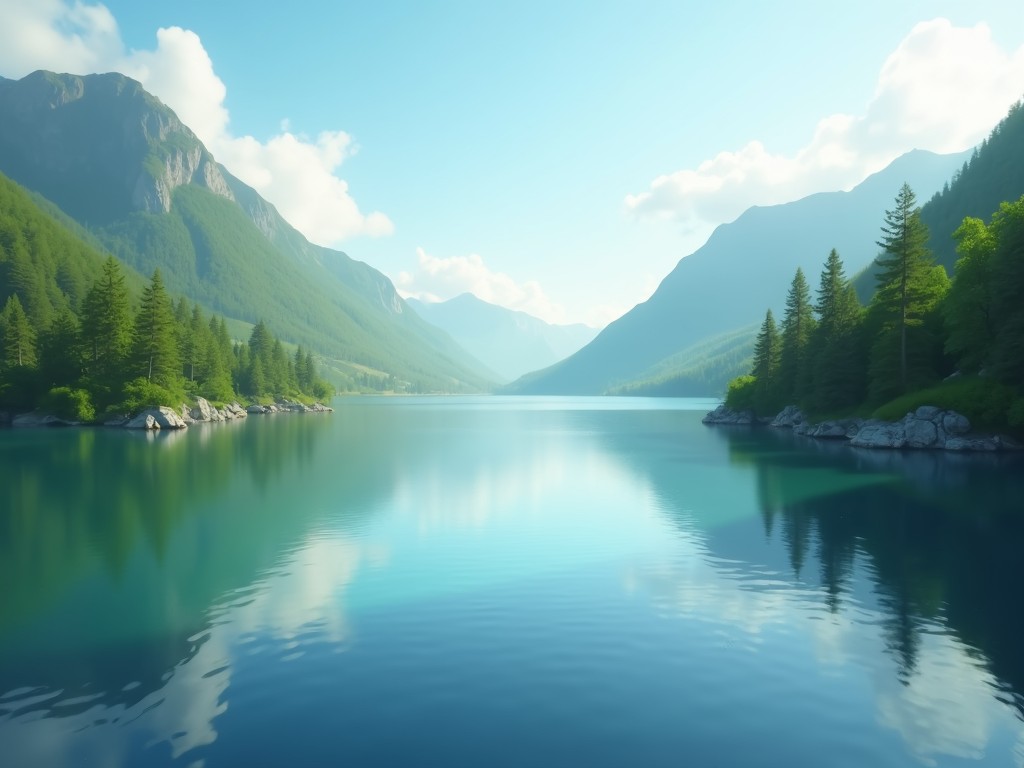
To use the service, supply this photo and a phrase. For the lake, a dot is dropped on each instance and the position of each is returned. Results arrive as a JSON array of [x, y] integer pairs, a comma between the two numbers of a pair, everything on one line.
[[505, 582]]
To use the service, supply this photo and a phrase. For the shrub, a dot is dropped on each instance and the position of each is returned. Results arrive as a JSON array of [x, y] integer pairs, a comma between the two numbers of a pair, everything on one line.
[[68, 404], [141, 393], [742, 393]]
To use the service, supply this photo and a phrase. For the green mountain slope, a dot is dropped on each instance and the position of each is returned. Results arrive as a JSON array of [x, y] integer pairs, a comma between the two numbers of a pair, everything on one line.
[[744, 268], [121, 164]]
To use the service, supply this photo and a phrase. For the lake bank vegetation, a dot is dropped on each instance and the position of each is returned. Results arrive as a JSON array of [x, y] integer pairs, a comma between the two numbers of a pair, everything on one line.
[[924, 339]]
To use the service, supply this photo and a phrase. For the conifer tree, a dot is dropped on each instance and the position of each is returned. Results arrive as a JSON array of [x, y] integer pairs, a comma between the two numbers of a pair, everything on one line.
[[19, 338], [797, 325], [836, 348], [1008, 305], [767, 350], [156, 354], [107, 327], [903, 295], [60, 354]]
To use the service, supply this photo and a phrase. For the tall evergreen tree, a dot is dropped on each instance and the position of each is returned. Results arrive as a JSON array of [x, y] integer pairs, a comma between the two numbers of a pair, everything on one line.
[[19, 338], [156, 354], [903, 275], [835, 348], [107, 327], [767, 350], [60, 353], [797, 325]]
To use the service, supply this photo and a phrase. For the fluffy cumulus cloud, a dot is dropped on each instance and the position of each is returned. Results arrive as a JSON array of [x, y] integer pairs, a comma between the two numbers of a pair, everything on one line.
[[295, 173], [942, 89], [438, 279]]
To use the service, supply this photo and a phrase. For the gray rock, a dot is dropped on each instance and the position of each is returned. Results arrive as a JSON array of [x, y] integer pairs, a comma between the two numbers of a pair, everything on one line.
[[36, 419], [955, 423], [789, 417], [884, 435], [203, 411], [144, 420], [976, 443], [161, 417], [724, 415], [920, 433], [927, 412], [257, 409], [236, 409]]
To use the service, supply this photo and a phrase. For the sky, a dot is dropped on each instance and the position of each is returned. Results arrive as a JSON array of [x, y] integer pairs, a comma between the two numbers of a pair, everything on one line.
[[553, 157]]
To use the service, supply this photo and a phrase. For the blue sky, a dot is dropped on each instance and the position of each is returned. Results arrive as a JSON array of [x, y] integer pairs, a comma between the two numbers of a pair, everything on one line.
[[556, 157]]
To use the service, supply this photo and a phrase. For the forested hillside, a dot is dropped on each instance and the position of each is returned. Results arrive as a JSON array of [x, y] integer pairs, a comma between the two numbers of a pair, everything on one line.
[[923, 339], [123, 167]]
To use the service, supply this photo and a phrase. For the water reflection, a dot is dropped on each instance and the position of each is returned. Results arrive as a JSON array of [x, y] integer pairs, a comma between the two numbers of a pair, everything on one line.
[[176, 601]]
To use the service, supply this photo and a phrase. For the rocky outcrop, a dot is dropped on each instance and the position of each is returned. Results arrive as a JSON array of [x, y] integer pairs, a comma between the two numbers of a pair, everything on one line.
[[789, 417], [36, 419], [161, 417], [927, 428], [725, 415]]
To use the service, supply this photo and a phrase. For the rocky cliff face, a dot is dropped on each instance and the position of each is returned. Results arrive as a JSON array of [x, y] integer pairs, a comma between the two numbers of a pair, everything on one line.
[[125, 150]]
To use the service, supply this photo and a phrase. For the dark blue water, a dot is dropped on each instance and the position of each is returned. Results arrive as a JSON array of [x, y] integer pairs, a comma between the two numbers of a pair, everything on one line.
[[505, 582]]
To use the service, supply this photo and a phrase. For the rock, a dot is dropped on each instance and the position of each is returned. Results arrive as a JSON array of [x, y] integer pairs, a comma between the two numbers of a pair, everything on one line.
[[144, 420], [186, 414], [161, 417], [36, 419], [927, 412], [725, 415], [955, 424], [835, 429], [880, 435], [789, 417], [203, 411], [919, 432], [976, 443], [256, 409], [236, 409]]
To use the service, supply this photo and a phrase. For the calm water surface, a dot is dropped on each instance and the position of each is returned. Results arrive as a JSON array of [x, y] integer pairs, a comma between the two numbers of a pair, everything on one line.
[[505, 582]]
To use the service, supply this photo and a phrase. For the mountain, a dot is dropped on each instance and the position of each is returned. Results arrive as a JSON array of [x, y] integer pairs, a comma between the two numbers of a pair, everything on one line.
[[122, 165], [993, 174], [744, 268], [508, 342]]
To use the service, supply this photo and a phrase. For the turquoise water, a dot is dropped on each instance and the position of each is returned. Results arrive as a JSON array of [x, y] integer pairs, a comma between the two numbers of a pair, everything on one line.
[[505, 582]]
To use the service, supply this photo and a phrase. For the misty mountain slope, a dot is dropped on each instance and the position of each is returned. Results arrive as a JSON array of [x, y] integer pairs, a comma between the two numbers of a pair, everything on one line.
[[744, 268], [508, 342], [122, 165]]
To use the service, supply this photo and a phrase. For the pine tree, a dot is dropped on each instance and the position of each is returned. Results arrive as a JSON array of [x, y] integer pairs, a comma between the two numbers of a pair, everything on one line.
[[60, 353], [157, 357], [19, 338], [767, 350], [107, 327], [797, 325], [904, 267], [835, 349]]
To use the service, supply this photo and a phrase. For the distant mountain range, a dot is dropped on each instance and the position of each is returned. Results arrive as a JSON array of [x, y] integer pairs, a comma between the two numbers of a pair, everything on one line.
[[725, 286], [129, 177], [509, 343]]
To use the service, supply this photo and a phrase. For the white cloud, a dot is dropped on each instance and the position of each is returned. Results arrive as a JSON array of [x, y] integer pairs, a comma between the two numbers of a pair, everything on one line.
[[943, 89], [296, 174], [438, 279]]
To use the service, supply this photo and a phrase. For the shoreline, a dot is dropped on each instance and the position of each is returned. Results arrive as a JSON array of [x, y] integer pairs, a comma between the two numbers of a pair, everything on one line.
[[926, 428], [161, 417]]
